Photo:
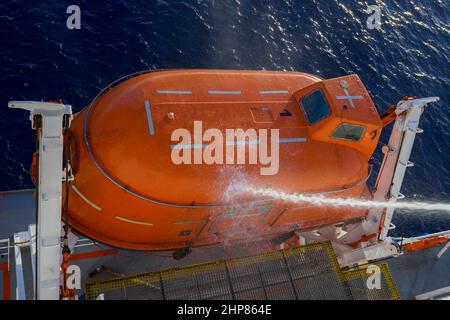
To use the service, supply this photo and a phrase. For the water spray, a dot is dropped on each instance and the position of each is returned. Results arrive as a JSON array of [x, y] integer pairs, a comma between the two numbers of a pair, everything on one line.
[[321, 200]]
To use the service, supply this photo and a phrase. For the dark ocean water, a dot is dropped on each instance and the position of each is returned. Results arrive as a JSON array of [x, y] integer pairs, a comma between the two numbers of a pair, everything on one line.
[[40, 59]]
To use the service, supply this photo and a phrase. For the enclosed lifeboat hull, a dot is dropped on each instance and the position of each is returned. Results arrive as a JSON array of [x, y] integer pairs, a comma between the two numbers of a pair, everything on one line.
[[129, 192]]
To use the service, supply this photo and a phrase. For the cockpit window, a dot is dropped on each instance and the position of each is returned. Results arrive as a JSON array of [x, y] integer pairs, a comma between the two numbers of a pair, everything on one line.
[[315, 106], [349, 132]]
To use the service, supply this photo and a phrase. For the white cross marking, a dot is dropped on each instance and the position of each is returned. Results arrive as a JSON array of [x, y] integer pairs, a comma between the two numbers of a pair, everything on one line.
[[349, 98]]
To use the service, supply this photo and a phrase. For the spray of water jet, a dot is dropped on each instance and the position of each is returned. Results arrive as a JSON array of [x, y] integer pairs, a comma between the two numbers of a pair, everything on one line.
[[321, 200]]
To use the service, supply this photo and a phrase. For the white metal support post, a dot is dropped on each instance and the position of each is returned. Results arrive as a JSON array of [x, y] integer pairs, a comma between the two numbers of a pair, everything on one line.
[[49, 188], [21, 239], [402, 139]]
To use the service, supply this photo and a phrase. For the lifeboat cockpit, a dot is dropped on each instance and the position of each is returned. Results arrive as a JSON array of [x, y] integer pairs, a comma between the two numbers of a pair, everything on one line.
[[340, 111]]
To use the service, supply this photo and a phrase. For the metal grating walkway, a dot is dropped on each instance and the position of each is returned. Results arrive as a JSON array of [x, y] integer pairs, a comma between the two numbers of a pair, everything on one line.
[[308, 272]]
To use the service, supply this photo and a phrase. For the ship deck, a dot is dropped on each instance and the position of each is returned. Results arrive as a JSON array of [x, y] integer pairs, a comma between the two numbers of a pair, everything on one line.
[[413, 273]]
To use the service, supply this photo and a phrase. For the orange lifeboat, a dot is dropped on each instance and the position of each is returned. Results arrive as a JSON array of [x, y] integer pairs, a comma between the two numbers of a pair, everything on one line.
[[128, 192]]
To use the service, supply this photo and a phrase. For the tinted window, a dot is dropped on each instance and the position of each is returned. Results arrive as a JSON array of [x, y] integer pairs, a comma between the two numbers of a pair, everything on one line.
[[315, 106], [348, 132]]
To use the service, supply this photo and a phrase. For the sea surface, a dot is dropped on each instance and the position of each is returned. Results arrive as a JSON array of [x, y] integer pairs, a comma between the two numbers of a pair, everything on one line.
[[41, 59]]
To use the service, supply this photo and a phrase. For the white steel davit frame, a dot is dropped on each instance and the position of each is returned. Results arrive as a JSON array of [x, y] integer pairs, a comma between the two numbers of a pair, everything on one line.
[[49, 192], [387, 188], [395, 162]]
